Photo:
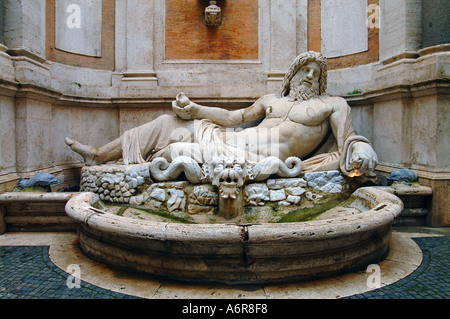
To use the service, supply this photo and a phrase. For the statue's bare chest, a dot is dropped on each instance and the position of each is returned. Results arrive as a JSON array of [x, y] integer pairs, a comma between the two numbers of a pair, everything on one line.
[[311, 112]]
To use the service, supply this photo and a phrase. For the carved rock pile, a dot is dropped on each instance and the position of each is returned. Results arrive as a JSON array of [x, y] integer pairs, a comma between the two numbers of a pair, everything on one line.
[[132, 185], [115, 183]]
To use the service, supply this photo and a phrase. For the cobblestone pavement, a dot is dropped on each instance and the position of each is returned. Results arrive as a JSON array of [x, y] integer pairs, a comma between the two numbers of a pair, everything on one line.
[[26, 272], [431, 280]]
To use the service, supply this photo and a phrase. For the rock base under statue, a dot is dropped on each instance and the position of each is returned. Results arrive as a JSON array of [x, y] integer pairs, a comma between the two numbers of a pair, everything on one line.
[[129, 191]]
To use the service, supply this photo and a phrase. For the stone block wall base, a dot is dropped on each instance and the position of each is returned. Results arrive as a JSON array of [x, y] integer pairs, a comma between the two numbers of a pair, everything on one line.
[[35, 212]]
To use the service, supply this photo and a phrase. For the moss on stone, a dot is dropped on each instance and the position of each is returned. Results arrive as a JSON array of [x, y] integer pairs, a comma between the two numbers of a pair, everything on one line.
[[166, 214], [33, 189], [309, 213], [121, 211]]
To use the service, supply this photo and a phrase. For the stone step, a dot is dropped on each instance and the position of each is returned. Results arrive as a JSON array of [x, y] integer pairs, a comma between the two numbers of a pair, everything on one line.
[[34, 212], [416, 201]]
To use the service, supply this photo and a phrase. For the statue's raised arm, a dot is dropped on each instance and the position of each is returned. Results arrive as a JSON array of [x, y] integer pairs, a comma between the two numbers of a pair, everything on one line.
[[188, 110]]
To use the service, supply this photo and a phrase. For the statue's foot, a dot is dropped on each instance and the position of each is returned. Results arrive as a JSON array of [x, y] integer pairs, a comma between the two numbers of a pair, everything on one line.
[[86, 151]]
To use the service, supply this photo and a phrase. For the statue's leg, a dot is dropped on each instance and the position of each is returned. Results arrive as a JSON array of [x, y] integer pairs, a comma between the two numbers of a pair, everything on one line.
[[150, 137], [96, 155], [143, 142]]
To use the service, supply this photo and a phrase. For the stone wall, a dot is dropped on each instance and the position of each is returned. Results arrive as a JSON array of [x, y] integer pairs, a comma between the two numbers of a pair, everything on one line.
[[398, 87]]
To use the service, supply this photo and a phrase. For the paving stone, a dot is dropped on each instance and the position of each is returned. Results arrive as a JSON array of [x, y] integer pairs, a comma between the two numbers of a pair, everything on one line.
[[26, 272], [431, 280]]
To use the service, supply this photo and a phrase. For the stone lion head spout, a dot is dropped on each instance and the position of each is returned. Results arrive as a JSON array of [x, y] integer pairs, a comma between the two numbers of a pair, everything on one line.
[[228, 174]]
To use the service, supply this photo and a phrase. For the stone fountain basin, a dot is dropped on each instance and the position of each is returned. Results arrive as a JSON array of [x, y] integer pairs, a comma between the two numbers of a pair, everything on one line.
[[239, 254]]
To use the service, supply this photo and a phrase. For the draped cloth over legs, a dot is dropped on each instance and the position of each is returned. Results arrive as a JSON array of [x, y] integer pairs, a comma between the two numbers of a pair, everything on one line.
[[211, 139], [163, 139], [141, 144], [131, 149]]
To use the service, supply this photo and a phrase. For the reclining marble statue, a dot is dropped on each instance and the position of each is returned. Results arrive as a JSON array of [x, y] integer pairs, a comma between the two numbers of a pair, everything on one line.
[[299, 121]]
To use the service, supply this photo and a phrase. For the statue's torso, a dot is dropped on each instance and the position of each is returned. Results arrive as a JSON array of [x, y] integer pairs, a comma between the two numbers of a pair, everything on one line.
[[291, 128], [311, 112]]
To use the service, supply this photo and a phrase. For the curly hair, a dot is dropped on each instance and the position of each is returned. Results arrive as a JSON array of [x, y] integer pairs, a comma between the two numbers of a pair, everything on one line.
[[301, 60]]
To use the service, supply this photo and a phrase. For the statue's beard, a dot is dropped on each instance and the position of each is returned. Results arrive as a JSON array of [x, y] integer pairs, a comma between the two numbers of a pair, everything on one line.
[[302, 93]]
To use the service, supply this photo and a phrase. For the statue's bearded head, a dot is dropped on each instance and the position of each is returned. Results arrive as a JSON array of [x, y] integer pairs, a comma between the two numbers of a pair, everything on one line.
[[306, 77]]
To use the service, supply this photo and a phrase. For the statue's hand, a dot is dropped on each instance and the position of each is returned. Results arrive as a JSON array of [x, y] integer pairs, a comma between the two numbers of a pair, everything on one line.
[[363, 159], [181, 112], [184, 108]]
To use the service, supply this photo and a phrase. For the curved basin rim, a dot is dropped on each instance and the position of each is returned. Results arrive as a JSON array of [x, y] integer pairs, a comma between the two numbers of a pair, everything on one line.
[[388, 206]]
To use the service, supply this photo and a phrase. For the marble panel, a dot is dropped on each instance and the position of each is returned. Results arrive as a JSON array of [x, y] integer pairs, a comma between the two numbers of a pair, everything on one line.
[[7, 134], [79, 26], [344, 27]]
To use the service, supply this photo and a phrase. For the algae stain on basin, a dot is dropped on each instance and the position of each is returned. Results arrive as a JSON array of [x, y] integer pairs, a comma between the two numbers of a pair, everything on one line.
[[271, 213], [143, 213], [322, 206]]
